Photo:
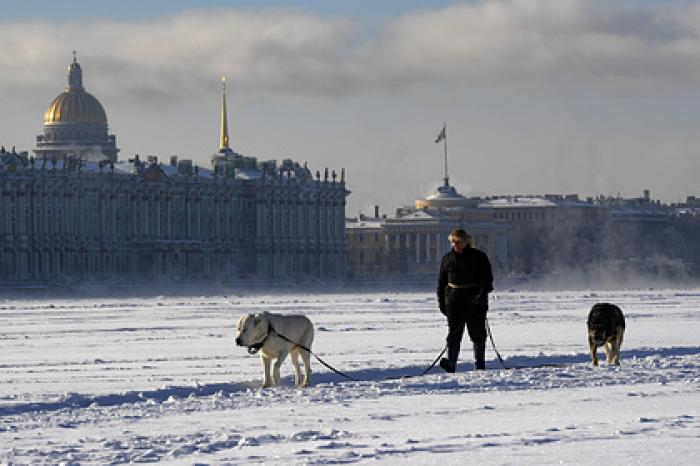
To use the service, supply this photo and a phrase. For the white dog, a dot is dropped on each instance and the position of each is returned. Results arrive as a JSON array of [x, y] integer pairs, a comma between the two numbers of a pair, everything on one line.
[[264, 332]]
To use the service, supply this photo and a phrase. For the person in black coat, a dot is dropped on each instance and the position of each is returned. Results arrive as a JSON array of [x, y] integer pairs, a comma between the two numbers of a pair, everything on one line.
[[464, 282]]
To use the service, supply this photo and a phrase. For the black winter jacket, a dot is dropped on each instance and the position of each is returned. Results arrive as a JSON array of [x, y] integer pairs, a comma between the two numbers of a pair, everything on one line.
[[470, 267]]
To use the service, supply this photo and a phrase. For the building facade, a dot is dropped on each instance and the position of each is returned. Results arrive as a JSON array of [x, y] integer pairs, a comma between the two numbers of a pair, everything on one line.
[[411, 244], [66, 218], [532, 236]]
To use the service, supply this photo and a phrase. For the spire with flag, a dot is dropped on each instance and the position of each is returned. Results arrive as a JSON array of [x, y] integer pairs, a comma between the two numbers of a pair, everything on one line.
[[443, 137]]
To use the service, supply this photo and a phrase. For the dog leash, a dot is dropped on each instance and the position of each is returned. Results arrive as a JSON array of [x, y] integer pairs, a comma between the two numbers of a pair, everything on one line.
[[422, 373], [434, 363], [272, 330], [498, 355]]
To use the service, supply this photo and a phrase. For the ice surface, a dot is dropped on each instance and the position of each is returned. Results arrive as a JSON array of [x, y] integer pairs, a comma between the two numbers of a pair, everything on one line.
[[98, 381]]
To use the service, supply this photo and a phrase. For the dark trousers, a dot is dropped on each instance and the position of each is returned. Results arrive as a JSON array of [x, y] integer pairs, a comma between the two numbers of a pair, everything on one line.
[[474, 318]]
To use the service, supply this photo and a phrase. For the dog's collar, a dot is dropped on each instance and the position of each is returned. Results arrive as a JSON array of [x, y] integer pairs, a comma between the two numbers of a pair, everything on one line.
[[252, 349]]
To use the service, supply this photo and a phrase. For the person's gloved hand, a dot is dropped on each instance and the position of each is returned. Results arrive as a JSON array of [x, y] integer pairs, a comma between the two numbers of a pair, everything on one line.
[[481, 301]]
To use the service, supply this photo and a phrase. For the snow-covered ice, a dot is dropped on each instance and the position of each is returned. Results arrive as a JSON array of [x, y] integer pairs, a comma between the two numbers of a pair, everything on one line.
[[100, 381]]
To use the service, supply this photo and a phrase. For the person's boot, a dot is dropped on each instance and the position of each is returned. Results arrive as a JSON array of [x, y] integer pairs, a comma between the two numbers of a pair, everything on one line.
[[480, 356], [449, 364]]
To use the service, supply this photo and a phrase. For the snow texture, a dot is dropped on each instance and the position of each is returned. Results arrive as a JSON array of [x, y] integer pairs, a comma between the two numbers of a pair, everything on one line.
[[105, 381]]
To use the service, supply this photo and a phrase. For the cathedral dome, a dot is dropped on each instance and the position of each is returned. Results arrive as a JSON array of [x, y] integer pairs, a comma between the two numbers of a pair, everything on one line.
[[75, 124], [75, 105]]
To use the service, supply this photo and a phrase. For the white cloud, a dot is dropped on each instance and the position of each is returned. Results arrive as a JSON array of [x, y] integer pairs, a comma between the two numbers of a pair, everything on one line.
[[527, 43], [272, 50], [521, 43]]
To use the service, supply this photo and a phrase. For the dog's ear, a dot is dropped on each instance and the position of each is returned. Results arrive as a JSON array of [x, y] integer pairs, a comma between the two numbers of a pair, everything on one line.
[[240, 322], [244, 320]]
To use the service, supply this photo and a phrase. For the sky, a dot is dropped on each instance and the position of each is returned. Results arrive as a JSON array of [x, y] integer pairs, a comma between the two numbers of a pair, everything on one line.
[[540, 96]]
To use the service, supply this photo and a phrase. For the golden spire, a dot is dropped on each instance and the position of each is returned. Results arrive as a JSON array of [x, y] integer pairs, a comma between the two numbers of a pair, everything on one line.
[[224, 121]]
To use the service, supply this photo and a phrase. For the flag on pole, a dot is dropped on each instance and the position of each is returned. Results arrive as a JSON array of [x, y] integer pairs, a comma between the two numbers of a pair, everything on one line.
[[441, 136]]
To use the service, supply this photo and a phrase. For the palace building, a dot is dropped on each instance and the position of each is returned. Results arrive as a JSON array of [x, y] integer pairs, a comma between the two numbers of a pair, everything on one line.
[[74, 212]]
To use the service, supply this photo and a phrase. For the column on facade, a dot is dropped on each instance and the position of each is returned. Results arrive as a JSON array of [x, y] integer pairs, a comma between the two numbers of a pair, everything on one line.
[[198, 212], [112, 203], [133, 214], [217, 214], [36, 216], [193, 214], [225, 214], [21, 229], [154, 217], [275, 215], [4, 217], [212, 221], [416, 246], [158, 202], [167, 205], [285, 204], [436, 240], [320, 236], [101, 212], [172, 209], [188, 215], [300, 219]]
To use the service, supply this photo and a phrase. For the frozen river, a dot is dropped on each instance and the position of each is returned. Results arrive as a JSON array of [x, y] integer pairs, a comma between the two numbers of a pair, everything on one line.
[[97, 381]]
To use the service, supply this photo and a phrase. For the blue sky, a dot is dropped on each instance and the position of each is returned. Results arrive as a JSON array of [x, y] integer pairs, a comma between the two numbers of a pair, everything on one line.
[[540, 96], [146, 9], [135, 9]]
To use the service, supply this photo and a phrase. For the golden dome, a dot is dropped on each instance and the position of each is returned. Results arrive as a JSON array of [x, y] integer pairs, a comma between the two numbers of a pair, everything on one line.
[[75, 106]]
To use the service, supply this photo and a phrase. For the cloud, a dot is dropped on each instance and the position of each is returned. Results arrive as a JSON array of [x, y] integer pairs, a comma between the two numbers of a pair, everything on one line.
[[282, 51], [525, 43], [512, 44]]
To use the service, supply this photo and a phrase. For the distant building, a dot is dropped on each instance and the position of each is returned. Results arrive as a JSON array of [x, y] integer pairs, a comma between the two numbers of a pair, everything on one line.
[[546, 230], [75, 124], [72, 214], [524, 234], [412, 243]]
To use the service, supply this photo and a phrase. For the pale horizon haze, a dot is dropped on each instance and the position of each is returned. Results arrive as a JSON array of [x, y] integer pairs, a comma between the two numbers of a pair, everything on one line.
[[540, 96]]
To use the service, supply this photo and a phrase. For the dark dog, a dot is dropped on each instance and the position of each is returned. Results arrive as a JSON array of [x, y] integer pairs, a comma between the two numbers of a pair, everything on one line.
[[606, 327]]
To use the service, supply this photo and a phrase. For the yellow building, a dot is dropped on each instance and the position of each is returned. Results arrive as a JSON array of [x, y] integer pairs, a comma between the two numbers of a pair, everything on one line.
[[412, 243]]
